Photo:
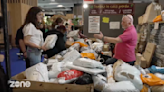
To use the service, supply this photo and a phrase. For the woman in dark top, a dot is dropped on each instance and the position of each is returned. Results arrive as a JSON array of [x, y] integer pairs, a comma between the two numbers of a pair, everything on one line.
[[60, 43]]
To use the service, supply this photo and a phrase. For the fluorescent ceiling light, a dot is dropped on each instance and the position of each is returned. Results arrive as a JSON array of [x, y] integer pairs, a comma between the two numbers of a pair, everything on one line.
[[53, 0], [60, 6], [53, 3], [85, 5]]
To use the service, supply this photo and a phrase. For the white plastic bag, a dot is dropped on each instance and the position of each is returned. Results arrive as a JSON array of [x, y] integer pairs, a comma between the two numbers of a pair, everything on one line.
[[74, 33], [110, 78], [50, 41], [88, 63], [80, 40], [71, 56], [37, 72], [87, 70], [126, 72], [54, 80], [159, 75], [56, 69], [84, 48], [123, 86], [51, 61], [76, 46], [99, 83], [90, 51], [97, 46], [70, 39]]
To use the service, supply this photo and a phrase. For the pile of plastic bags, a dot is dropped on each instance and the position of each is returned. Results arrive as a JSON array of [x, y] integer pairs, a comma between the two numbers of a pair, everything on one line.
[[80, 64]]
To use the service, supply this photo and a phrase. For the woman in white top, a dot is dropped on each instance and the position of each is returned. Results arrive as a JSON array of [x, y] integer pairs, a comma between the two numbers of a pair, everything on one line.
[[33, 37]]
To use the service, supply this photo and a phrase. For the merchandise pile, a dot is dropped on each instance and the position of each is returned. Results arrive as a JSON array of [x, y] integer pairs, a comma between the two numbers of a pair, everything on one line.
[[80, 64]]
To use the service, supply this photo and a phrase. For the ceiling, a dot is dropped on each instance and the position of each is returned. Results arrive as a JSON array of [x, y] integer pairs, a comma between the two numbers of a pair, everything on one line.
[[60, 6]]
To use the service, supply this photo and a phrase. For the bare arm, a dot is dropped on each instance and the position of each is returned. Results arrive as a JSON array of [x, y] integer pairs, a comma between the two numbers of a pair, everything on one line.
[[28, 43], [112, 39], [1, 58], [22, 45]]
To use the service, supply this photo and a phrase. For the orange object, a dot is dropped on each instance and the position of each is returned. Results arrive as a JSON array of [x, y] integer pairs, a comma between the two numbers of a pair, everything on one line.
[[81, 44], [151, 80], [88, 55], [158, 18], [144, 89]]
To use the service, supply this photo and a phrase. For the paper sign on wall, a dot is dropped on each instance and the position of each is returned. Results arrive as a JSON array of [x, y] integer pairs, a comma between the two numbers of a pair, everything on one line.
[[105, 20], [114, 25], [94, 24]]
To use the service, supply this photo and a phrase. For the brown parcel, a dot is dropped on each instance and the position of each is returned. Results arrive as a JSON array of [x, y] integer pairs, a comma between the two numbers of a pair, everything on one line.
[[140, 20], [150, 13], [140, 60], [148, 53], [50, 87], [106, 47]]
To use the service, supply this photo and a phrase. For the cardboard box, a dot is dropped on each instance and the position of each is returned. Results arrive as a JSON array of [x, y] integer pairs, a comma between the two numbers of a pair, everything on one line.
[[138, 40], [150, 13], [148, 53], [50, 87], [140, 20], [108, 53], [140, 60], [106, 47]]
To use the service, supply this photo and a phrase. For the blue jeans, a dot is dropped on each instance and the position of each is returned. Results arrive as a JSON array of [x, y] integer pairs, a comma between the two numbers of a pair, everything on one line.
[[34, 55]]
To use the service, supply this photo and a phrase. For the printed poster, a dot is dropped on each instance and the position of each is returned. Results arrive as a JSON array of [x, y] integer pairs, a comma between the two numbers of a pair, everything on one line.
[[94, 24], [114, 25]]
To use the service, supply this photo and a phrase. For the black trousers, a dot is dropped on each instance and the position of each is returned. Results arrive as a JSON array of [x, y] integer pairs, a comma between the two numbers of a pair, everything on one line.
[[3, 80], [27, 63], [113, 60]]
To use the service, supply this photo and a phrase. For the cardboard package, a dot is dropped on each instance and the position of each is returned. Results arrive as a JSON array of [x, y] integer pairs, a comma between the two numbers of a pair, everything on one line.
[[138, 40], [140, 60], [108, 53], [144, 60], [140, 20], [148, 53], [150, 13], [106, 47], [50, 87]]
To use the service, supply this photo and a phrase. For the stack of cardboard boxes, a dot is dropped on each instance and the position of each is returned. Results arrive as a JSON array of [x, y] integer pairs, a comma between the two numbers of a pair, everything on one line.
[[150, 14], [145, 59]]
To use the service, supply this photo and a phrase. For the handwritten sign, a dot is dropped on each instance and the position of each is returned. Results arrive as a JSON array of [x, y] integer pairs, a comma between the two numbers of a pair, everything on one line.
[[107, 9]]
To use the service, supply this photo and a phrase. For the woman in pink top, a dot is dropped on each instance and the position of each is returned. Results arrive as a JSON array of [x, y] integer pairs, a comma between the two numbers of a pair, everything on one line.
[[125, 43]]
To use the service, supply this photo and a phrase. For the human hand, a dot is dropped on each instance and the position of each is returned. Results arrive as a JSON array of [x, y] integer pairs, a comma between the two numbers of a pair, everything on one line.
[[1, 58], [44, 48], [25, 54], [99, 36], [39, 47]]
